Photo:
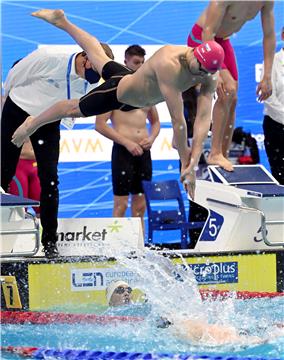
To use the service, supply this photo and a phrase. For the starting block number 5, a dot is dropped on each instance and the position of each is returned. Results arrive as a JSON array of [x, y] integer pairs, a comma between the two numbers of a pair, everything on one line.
[[212, 228], [11, 292]]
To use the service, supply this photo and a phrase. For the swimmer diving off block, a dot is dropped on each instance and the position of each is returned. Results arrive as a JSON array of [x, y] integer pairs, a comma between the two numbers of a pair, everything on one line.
[[167, 73]]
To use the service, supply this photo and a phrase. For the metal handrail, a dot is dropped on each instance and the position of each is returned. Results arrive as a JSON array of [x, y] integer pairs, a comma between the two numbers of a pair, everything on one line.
[[262, 217]]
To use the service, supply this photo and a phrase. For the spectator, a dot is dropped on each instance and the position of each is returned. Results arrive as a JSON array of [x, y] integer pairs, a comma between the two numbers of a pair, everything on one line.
[[273, 122], [131, 158], [34, 83]]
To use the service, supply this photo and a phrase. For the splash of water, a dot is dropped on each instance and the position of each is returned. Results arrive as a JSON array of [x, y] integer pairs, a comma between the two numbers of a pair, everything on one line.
[[171, 289]]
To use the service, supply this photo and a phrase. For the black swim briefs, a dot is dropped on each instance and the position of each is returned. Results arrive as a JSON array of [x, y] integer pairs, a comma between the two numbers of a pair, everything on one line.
[[103, 98]]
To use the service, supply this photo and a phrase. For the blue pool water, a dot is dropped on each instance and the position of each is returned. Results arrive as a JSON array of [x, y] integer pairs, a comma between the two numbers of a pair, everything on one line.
[[172, 292], [256, 316]]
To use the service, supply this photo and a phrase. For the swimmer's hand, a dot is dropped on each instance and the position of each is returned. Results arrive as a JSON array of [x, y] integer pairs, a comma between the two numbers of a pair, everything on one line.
[[146, 143], [221, 90], [23, 132], [134, 148], [163, 323], [264, 89], [188, 179]]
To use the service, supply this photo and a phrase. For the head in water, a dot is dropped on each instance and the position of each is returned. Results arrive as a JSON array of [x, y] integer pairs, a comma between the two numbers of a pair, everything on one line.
[[118, 293]]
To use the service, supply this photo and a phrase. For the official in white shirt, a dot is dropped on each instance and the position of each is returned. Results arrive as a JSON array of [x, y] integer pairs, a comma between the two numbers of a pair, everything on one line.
[[273, 122], [34, 83]]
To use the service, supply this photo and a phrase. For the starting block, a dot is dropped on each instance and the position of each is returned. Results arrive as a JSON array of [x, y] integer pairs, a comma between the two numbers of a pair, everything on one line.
[[17, 226], [245, 210]]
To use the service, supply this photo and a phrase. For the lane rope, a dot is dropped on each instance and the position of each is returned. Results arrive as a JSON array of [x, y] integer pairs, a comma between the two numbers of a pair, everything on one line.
[[72, 354], [43, 318], [39, 317], [242, 295]]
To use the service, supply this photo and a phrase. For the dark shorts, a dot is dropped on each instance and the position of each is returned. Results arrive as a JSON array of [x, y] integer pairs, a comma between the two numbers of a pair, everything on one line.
[[128, 171], [103, 98], [274, 146]]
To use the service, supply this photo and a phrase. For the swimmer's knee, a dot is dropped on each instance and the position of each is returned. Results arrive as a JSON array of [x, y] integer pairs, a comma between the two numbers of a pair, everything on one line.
[[73, 109], [231, 87], [73, 104]]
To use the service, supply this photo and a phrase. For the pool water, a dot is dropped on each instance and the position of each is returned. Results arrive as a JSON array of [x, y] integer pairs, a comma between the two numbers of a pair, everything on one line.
[[171, 290], [253, 315]]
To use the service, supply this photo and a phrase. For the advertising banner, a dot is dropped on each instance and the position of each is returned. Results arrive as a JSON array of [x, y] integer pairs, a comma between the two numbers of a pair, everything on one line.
[[99, 236], [75, 285], [236, 272], [69, 285], [89, 145]]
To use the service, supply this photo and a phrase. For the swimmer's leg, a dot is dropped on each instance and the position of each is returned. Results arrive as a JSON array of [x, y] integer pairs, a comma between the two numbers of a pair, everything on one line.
[[64, 108], [223, 122], [89, 43]]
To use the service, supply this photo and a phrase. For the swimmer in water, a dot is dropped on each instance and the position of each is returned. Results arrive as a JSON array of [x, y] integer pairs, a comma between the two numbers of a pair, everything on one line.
[[197, 331]]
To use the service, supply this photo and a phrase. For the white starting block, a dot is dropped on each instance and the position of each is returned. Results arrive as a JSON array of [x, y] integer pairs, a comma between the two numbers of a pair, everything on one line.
[[18, 227], [246, 210]]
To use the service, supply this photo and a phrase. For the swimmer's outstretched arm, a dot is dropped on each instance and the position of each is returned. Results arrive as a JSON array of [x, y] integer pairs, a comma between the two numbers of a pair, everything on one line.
[[89, 43], [212, 334], [64, 108]]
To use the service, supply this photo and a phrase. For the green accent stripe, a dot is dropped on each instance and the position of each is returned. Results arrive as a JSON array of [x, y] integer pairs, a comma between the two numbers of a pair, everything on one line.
[[194, 38], [20, 189]]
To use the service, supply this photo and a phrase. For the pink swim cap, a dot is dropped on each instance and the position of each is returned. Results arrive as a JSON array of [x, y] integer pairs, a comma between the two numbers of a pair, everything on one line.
[[210, 55]]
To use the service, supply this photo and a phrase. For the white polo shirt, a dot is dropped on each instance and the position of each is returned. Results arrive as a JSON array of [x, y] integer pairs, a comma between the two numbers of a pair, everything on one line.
[[41, 79], [274, 105]]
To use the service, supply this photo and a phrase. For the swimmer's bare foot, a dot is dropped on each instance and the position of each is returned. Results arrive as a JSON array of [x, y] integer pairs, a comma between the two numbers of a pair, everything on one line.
[[54, 17], [221, 161], [23, 132]]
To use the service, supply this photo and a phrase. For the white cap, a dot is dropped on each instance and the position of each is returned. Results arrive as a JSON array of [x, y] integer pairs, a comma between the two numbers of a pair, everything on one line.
[[112, 286]]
